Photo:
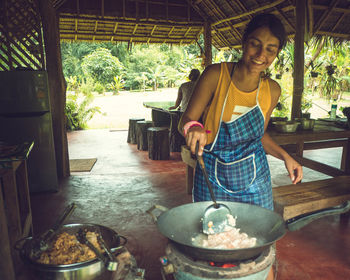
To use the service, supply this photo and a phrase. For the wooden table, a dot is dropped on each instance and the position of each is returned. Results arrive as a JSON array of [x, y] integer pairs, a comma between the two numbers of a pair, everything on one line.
[[162, 116], [15, 210], [324, 135]]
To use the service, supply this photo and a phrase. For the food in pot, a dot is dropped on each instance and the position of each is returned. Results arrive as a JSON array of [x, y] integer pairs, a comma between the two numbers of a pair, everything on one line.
[[230, 238], [66, 249]]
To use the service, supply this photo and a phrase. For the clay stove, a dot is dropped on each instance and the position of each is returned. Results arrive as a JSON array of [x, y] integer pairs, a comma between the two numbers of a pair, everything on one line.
[[178, 266]]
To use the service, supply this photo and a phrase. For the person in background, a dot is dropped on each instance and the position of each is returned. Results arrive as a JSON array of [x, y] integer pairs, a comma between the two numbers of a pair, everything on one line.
[[235, 101], [185, 91]]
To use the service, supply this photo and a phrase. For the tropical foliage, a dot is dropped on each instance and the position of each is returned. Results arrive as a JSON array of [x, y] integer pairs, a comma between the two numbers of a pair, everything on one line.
[[327, 73], [101, 67]]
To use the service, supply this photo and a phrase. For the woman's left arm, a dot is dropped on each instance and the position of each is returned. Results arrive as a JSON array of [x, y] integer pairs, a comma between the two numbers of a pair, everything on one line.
[[271, 147], [293, 167]]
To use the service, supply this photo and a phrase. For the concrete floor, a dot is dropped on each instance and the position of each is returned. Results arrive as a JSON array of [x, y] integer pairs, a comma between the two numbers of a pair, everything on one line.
[[124, 183]]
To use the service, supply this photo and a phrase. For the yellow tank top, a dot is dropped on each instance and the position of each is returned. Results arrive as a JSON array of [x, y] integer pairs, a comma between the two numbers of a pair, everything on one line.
[[237, 102]]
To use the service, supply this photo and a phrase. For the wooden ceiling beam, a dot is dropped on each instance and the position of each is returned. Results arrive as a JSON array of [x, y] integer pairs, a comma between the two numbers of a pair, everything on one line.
[[76, 28], [335, 9], [245, 22], [233, 31], [283, 15], [161, 3], [135, 28], [221, 38], [332, 34], [195, 6], [96, 24], [338, 22], [58, 3], [154, 28], [262, 8], [325, 15], [125, 35], [132, 21], [188, 30], [310, 23], [115, 27], [171, 30]]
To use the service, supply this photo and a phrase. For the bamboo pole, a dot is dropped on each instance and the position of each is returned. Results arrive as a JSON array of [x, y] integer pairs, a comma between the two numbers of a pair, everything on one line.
[[298, 81], [57, 85], [207, 44]]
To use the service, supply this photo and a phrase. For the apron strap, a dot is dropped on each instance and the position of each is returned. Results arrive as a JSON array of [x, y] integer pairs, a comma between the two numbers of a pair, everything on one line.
[[223, 108]]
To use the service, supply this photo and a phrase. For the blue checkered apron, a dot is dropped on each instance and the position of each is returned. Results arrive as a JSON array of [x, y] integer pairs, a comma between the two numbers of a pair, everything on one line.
[[236, 162]]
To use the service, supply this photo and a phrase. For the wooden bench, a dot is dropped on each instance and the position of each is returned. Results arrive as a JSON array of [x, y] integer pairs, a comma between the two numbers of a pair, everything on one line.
[[294, 200]]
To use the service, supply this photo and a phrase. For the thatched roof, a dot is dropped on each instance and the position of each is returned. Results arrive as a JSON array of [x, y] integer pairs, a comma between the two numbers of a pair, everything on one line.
[[182, 21]]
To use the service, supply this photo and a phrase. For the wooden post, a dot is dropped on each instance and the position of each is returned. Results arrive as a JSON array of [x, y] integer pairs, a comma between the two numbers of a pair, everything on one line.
[[57, 85], [207, 44], [298, 81]]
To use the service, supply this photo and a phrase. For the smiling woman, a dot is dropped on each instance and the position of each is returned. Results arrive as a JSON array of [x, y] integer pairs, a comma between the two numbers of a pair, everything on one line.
[[235, 101]]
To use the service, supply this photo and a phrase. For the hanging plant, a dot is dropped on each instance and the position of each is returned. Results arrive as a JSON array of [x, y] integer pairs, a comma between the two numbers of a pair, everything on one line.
[[280, 65], [331, 82], [314, 68]]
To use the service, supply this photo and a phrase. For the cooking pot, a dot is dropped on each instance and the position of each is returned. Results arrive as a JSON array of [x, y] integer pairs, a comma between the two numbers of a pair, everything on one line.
[[183, 223], [78, 271]]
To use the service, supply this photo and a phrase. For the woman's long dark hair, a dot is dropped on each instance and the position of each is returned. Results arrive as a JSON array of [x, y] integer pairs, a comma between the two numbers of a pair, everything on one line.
[[271, 22]]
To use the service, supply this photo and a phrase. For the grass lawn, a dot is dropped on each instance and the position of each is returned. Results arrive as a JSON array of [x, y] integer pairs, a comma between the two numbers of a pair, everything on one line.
[[118, 109]]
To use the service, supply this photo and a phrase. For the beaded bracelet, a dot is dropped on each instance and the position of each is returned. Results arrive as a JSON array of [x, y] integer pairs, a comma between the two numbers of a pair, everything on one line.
[[190, 124]]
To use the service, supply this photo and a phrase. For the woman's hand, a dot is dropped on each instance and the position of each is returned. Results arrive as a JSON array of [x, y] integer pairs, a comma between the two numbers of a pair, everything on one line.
[[196, 134], [294, 169]]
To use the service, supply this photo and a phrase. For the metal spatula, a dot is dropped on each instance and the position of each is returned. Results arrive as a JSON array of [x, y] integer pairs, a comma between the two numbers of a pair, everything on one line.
[[215, 216]]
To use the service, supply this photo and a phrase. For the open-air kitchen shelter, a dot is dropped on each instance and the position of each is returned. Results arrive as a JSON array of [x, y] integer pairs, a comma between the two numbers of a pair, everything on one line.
[[31, 31]]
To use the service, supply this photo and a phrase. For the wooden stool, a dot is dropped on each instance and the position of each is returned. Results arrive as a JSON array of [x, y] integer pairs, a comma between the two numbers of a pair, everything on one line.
[[141, 134], [294, 200], [158, 143], [132, 130]]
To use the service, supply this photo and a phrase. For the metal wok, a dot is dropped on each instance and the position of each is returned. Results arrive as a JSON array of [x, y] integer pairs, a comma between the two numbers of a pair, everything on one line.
[[181, 224]]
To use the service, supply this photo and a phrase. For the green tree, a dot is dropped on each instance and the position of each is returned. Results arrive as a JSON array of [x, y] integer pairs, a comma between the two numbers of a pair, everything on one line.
[[102, 66]]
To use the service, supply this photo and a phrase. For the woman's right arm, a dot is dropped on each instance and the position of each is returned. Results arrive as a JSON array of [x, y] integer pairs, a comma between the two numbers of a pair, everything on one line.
[[202, 95]]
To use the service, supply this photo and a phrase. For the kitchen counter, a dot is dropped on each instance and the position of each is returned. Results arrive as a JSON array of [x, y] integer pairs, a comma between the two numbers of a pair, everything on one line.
[[324, 135]]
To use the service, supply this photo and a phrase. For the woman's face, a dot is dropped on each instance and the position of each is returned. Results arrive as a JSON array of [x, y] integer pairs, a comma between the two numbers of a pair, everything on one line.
[[260, 49]]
